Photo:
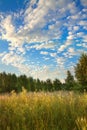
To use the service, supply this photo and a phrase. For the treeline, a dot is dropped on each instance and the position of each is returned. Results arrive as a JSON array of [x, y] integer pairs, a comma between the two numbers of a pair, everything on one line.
[[9, 82]]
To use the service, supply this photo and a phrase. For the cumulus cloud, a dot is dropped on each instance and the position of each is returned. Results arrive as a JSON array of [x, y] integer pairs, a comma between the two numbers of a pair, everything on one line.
[[60, 61], [68, 42], [2, 54], [76, 28], [44, 53], [34, 22], [46, 45], [49, 27], [8, 32], [11, 58], [53, 54]]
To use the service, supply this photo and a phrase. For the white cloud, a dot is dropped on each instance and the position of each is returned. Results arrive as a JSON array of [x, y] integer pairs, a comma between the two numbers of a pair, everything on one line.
[[34, 21], [9, 33], [85, 38], [79, 45], [7, 28], [68, 42], [16, 61], [84, 45], [41, 27], [60, 61], [70, 37], [2, 54], [76, 28], [44, 53], [11, 58], [84, 10], [35, 16], [71, 50], [84, 2], [75, 17], [53, 54], [83, 23], [46, 58], [47, 45], [62, 47], [46, 72], [72, 8], [80, 34]]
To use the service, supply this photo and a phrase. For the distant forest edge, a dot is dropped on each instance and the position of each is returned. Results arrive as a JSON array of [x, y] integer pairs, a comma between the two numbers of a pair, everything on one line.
[[9, 82]]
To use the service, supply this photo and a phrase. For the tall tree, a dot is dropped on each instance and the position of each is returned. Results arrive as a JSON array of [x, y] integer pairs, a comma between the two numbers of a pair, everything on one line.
[[31, 85], [57, 84], [81, 70], [49, 85], [3, 82], [38, 85], [69, 81]]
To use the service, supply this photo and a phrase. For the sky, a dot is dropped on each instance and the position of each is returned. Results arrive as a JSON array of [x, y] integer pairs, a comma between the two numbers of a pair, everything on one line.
[[42, 38]]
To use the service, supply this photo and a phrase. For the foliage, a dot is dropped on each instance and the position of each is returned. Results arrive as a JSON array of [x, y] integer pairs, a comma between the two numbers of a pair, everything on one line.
[[81, 71], [57, 84], [43, 111], [69, 81], [9, 82]]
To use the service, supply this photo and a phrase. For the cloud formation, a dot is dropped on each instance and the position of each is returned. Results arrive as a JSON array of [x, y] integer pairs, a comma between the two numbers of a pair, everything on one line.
[[55, 29]]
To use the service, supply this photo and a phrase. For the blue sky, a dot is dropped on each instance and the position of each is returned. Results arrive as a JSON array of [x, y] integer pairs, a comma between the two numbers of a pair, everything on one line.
[[42, 38]]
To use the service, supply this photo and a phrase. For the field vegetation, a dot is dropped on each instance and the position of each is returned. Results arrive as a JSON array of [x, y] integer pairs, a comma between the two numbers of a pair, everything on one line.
[[43, 111], [44, 105]]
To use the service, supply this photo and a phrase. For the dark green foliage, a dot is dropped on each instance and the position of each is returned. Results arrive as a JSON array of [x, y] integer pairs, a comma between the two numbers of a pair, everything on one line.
[[81, 71], [9, 82], [49, 85], [57, 84], [22, 81], [69, 81]]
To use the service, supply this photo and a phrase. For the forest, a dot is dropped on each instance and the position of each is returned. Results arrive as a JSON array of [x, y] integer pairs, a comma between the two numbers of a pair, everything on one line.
[[9, 82]]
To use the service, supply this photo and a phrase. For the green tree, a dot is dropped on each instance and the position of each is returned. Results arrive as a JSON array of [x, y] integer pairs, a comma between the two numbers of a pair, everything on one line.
[[57, 84], [3, 81], [10, 82], [69, 81], [22, 81], [49, 85], [38, 85], [81, 71], [31, 84]]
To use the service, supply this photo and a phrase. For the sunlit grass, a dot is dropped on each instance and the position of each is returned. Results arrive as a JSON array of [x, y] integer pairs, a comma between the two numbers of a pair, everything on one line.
[[43, 111]]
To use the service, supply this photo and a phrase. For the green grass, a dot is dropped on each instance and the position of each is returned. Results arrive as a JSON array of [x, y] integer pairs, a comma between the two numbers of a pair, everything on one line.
[[43, 111]]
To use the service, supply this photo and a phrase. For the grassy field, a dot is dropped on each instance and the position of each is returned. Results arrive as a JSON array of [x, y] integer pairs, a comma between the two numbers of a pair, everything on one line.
[[43, 111]]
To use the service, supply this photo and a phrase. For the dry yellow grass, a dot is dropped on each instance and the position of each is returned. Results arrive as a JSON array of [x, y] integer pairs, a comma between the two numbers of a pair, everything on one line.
[[43, 111]]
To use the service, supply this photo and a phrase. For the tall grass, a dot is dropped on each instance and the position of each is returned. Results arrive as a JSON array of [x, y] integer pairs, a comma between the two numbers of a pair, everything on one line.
[[43, 111]]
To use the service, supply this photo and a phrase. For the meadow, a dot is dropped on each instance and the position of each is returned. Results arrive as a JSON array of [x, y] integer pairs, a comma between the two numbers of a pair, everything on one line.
[[43, 111]]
